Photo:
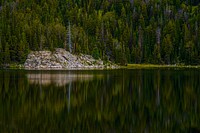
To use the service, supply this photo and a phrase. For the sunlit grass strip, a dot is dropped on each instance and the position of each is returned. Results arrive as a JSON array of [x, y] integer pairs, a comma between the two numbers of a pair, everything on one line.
[[143, 66]]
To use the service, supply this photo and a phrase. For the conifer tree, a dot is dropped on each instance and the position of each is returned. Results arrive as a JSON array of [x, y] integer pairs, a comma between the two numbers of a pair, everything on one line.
[[6, 54]]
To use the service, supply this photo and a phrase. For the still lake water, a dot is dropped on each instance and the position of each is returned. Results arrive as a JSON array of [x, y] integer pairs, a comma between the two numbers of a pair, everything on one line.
[[155, 100]]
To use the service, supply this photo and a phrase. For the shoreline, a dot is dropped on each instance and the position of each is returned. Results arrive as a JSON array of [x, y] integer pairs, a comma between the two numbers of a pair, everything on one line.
[[129, 66], [154, 66], [15, 66]]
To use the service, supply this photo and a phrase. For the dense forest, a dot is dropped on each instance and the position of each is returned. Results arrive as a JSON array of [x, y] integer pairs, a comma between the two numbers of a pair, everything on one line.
[[123, 31]]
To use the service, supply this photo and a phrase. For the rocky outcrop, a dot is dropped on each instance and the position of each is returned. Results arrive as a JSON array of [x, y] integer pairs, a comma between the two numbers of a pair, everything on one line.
[[62, 59]]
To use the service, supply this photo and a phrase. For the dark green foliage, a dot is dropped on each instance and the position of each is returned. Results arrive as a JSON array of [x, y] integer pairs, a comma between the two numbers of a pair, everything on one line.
[[136, 31], [6, 54], [95, 53], [1, 53]]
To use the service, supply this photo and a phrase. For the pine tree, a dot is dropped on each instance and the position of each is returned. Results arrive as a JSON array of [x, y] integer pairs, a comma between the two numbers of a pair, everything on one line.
[[95, 53], [156, 54], [1, 52], [69, 38], [6, 54], [167, 49], [22, 49]]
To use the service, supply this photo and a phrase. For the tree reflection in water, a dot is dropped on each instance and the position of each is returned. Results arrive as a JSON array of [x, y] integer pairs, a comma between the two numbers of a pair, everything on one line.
[[100, 101], [59, 79], [69, 93]]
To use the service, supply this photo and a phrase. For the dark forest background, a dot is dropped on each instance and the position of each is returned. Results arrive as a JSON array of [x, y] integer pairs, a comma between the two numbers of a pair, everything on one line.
[[123, 31]]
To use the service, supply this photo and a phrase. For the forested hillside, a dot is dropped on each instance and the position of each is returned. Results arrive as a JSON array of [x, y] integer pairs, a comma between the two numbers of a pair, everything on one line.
[[133, 31]]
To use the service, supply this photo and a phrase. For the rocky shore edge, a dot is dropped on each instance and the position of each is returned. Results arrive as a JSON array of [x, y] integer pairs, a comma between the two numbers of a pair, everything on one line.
[[62, 59]]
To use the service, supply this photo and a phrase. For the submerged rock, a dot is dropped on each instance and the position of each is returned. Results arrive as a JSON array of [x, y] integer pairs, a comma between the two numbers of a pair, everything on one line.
[[62, 59]]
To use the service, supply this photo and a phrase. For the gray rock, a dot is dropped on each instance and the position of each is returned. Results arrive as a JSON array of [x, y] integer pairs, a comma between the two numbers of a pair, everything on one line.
[[62, 59]]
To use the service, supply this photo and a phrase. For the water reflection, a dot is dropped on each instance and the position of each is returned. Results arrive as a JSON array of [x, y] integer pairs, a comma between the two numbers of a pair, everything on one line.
[[69, 94], [63, 79], [58, 79], [100, 101]]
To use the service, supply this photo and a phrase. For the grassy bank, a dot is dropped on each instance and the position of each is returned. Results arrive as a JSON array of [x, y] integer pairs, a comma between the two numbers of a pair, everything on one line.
[[152, 66], [11, 66]]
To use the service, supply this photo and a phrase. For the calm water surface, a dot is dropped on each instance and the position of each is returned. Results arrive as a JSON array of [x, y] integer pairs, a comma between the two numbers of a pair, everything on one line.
[[100, 101]]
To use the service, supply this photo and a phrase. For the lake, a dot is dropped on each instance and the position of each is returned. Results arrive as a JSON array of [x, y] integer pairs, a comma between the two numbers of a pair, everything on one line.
[[125, 100]]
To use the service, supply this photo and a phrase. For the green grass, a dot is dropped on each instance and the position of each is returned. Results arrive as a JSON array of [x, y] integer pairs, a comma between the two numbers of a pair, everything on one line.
[[12, 66], [149, 66]]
